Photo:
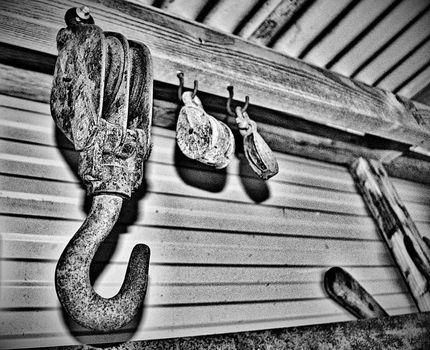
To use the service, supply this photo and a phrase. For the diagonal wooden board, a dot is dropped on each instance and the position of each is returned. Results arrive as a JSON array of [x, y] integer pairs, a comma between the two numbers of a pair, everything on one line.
[[410, 249], [272, 80]]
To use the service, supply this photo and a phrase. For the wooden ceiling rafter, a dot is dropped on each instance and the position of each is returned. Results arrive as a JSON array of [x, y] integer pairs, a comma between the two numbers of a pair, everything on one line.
[[284, 92]]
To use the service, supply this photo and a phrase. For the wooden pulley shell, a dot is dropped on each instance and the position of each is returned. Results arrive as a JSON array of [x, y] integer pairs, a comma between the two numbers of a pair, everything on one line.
[[345, 290], [201, 136], [77, 92], [259, 155]]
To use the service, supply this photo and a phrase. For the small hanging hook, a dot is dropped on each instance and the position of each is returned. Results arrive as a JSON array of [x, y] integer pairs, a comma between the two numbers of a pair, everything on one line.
[[230, 98], [180, 76]]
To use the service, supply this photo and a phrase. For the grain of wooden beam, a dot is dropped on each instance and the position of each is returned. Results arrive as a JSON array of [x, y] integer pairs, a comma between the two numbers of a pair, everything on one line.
[[396, 333], [327, 144], [409, 248], [216, 59]]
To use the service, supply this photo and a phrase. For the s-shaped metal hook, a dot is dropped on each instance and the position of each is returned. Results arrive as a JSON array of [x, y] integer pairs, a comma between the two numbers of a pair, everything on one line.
[[101, 100], [180, 76]]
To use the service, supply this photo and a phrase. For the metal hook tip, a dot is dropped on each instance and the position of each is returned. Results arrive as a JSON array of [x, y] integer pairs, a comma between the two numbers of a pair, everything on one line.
[[244, 108], [196, 87]]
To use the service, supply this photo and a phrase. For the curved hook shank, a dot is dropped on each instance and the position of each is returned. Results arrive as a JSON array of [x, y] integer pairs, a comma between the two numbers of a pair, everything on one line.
[[72, 278]]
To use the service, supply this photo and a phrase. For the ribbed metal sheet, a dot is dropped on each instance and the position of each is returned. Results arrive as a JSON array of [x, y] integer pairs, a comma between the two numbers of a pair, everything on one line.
[[383, 43], [229, 252]]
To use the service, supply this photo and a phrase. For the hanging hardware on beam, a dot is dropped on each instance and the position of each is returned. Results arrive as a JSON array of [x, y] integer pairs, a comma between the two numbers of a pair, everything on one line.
[[199, 135], [101, 100], [259, 155], [346, 291]]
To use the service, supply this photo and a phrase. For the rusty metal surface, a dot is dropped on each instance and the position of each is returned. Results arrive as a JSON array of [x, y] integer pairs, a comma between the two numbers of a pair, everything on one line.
[[347, 291], [91, 104], [73, 281], [201, 136]]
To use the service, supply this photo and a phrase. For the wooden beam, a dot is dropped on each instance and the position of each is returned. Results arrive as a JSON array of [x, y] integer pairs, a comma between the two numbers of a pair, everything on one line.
[[296, 137], [273, 81], [280, 16], [410, 249], [423, 95], [396, 333]]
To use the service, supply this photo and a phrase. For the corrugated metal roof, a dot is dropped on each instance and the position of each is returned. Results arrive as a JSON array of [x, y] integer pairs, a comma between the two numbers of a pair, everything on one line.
[[384, 43]]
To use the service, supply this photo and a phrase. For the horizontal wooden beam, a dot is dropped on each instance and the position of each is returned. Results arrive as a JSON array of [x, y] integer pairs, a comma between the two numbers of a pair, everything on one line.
[[273, 81], [296, 138], [396, 333]]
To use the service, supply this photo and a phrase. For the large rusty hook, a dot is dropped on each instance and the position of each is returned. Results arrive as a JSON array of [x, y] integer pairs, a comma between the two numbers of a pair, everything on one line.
[[101, 100], [72, 278]]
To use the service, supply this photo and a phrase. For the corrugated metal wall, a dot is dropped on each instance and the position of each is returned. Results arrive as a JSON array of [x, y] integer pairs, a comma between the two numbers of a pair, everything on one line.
[[229, 252]]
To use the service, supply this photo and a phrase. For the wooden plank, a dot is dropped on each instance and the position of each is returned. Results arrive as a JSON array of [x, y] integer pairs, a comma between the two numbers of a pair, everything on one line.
[[272, 80], [408, 246], [276, 20], [337, 147]]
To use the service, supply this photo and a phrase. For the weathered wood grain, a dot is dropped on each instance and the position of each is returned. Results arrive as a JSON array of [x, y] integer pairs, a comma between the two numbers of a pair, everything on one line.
[[399, 332], [335, 147], [410, 249], [272, 80]]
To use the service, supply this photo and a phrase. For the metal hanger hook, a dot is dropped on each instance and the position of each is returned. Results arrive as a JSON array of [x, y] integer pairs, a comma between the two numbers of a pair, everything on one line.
[[180, 76], [72, 277], [230, 98]]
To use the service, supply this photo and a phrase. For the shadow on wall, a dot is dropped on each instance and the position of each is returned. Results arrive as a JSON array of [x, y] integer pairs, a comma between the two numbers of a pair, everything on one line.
[[128, 216], [199, 175], [209, 179]]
